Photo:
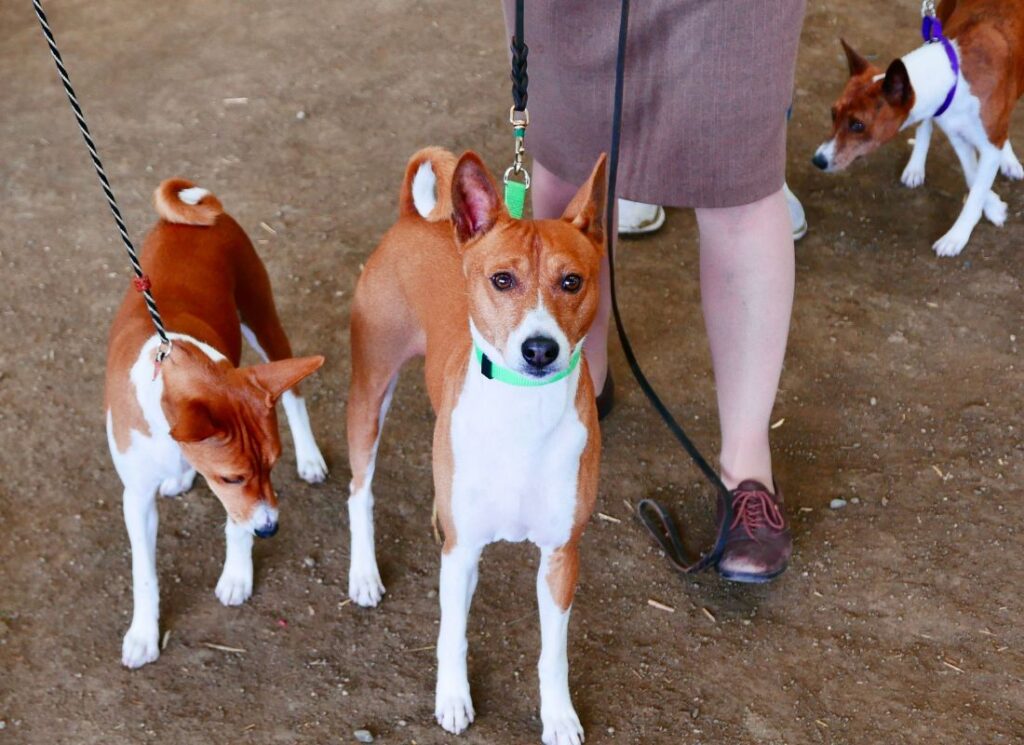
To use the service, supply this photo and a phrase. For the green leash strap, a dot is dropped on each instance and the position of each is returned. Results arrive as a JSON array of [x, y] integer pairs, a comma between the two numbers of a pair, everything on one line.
[[492, 371], [515, 198]]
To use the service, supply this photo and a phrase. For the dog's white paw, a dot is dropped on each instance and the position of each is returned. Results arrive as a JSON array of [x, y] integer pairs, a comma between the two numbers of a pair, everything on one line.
[[952, 243], [913, 176], [174, 487], [234, 589], [995, 210], [141, 646], [365, 587], [453, 710], [1012, 169], [561, 727], [312, 467]]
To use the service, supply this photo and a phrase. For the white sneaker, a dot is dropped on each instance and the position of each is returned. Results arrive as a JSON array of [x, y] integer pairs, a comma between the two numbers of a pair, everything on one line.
[[637, 218], [796, 213]]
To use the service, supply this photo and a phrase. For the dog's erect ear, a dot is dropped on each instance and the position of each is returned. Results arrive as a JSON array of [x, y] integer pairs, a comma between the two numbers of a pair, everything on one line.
[[896, 86], [193, 422], [586, 210], [475, 203], [856, 61], [274, 378]]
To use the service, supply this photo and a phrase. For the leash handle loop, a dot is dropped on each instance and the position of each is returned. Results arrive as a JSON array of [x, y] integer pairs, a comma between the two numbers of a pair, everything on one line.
[[141, 282]]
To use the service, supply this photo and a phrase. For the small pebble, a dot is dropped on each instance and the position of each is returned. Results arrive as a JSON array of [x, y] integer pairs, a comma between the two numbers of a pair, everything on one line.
[[855, 500], [874, 401], [363, 735], [432, 594], [837, 504], [302, 115], [309, 561]]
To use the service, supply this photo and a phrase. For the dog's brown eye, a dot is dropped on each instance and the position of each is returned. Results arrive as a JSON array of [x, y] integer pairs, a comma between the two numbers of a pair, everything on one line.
[[572, 283], [232, 479], [856, 125], [503, 281]]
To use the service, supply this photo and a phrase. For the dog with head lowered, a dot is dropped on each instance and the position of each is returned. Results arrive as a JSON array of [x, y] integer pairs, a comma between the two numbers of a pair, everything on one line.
[[500, 308], [967, 81], [197, 411]]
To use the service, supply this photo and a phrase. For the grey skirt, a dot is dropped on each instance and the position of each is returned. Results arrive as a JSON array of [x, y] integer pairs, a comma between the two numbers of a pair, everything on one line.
[[708, 84]]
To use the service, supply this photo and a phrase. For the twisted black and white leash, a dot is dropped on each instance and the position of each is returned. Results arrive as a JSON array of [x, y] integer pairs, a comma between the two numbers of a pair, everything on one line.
[[141, 281]]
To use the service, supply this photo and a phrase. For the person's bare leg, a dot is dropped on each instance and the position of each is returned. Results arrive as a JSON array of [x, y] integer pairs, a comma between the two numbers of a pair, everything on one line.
[[746, 281], [551, 195]]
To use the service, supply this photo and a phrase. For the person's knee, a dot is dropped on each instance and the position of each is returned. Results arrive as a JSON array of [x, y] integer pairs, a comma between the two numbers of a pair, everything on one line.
[[742, 218]]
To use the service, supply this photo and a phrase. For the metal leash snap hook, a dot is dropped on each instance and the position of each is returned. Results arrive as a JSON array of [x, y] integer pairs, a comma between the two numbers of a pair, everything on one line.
[[164, 351], [518, 169]]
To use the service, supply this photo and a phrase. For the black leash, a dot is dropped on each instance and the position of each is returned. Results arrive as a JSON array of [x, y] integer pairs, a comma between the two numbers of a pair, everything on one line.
[[141, 281], [652, 515]]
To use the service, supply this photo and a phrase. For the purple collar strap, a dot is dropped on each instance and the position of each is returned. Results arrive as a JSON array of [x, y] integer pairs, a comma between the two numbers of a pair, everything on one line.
[[931, 31]]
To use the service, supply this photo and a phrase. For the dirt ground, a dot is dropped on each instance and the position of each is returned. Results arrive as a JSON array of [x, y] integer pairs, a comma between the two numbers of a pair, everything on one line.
[[898, 619]]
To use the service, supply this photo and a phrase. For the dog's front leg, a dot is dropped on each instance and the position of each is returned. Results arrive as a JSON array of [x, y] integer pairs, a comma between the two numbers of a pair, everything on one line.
[[235, 584], [142, 642], [556, 586], [913, 174], [453, 705]]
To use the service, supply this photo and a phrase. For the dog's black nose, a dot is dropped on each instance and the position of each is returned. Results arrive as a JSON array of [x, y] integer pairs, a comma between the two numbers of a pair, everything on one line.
[[820, 161], [540, 351], [266, 531]]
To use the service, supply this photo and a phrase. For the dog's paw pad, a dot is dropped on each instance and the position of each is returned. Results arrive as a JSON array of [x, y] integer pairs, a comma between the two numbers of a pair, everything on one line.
[[912, 177], [140, 647], [312, 468], [454, 712], [233, 589], [365, 588]]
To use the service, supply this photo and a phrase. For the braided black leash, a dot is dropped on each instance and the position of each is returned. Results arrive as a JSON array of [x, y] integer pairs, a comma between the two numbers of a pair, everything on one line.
[[141, 281], [653, 516], [520, 79]]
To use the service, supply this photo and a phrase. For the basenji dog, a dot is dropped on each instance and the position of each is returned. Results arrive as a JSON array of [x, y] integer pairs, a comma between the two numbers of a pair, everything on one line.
[[500, 308], [197, 411], [967, 81]]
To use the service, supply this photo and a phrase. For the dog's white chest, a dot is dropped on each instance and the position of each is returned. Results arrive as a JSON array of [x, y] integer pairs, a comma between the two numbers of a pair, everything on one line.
[[516, 461]]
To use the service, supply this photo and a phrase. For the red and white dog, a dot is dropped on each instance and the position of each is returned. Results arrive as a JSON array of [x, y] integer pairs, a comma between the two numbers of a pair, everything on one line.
[[500, 308], [969, 89], [197, 411]]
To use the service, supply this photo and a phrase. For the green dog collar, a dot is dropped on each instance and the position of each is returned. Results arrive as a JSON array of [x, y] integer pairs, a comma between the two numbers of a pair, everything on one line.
[[503, 375]]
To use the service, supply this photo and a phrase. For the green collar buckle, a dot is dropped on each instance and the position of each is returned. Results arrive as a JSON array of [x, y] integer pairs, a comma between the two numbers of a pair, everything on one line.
[[492, 371]]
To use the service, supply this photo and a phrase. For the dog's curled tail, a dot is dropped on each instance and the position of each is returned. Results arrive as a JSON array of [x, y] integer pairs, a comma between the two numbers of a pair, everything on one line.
[[181, 201], [427, 186]]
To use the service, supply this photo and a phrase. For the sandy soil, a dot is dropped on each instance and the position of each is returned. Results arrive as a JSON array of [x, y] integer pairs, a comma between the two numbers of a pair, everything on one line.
[[898, 620]]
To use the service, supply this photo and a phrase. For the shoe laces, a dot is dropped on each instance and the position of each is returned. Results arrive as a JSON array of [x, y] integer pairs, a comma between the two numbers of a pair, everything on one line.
[[754, 510]]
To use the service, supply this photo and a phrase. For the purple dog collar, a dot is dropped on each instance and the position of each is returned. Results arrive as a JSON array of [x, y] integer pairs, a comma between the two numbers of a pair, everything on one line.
[[931, 31]]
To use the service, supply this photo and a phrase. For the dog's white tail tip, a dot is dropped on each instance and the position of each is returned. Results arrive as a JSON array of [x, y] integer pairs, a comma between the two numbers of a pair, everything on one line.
[[424, 189]]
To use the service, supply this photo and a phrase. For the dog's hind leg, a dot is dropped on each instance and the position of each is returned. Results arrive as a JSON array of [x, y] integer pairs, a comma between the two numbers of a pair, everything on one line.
[[262, 329], [381, 343], [1009, 166]]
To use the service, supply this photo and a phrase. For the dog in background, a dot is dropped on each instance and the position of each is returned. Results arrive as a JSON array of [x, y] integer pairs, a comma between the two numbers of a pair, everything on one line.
[[967, 84]]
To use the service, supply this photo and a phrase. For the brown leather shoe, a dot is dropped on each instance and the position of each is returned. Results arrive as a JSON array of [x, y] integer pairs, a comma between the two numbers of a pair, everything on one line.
[[758, 544]]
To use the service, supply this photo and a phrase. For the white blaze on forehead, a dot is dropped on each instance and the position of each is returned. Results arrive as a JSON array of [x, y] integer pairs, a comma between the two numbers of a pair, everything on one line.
[[192, 196], [424, 184]]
